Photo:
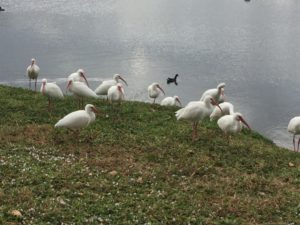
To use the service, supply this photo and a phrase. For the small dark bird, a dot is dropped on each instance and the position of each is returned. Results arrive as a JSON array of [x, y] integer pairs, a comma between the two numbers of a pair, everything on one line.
[[1, 9], [172, 80]]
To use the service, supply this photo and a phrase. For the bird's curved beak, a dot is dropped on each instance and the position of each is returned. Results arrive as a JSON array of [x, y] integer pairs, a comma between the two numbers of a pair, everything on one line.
[[213, 102], [244, 122], [177, 99], [68, 85], [83, 76], [95, 110], [161, 89], [123, 80]]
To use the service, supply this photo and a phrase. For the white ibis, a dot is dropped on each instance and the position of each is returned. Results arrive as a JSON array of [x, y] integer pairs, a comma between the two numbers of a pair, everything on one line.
[[51, 90], [78, 119], [294, 128], [232, 123], [197, 111], [171, 101], [216, 93], [102, 89], [227, 109], [33, 72], [154, 91], [116, 93], [80, 90], [79, 75]]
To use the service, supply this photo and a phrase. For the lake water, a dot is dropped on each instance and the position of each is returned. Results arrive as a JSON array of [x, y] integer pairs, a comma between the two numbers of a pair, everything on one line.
[[252, 46]]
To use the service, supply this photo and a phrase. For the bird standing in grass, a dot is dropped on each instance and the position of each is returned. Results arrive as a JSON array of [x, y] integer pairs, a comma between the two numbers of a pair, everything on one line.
[[154, 91], [33, 72], [51, 90], [227, 109], [216, 93], [171, 101], [294, 128], [79, 76], [80, 90], [231, 124], [116, 93], [197, 111], [102, 89], [78, 119]]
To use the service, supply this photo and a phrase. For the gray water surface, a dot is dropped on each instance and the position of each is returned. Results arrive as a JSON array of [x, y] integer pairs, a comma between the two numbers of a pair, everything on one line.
[[252, 46]]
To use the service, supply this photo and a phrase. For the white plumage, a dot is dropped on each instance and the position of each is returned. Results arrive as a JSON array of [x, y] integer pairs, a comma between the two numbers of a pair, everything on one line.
[[154, 91], [232, 123], [196, 111], [79, 76], [171, 101], [294, 128], [102, 89], [51, 90], [78, 119], [227, 109], [80, 89], [116, 93], [33, 72], [215, 93]]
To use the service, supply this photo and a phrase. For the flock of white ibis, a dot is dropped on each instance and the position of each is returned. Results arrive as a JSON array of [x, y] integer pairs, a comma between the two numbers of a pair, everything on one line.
[[211, 104]]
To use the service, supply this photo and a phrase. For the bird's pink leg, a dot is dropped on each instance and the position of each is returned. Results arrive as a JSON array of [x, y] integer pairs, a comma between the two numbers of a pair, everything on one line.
[[294, 142], [298, 144], [35, 85], [29, 83], [194, 134], [196, 130], [193, 131], [49, 106]]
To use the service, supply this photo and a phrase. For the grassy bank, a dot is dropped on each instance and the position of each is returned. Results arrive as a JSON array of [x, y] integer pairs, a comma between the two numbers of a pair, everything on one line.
[[136, 164]]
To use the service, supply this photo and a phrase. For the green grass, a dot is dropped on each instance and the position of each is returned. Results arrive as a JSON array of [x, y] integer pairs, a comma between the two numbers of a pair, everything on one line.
[[137, 165]]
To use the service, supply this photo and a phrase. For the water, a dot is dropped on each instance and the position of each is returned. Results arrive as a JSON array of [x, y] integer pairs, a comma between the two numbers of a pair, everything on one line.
[[252, 46]]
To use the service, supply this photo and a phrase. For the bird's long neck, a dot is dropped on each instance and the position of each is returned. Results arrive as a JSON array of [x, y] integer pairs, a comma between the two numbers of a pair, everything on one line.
[[208, 104], [231, 110], [90, 112], [43, 88]]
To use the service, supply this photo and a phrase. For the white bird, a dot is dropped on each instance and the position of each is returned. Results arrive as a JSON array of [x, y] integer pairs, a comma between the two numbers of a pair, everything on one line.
[[227, 109], [294, 128], [33, 72], [216, 93], [116, 93], [79, 118], [232, 123], [197, 111], [79, 75], [81, 90], [102, 89], [171, 101], [153, 91], [51, 90]]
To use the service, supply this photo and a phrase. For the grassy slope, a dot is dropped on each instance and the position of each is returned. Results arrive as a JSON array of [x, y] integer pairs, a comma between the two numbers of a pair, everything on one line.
[[159, 175]]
